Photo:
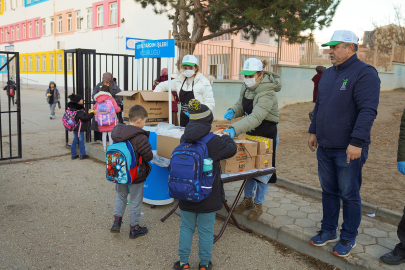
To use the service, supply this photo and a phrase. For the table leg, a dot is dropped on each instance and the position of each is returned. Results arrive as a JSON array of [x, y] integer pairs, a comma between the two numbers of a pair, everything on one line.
[[230, 211], [235, 221], [173, 211]]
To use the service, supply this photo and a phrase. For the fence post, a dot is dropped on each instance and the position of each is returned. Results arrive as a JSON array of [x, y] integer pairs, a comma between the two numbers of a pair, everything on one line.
[[126, 72], [231, 62], [392, 54], [375, 57]]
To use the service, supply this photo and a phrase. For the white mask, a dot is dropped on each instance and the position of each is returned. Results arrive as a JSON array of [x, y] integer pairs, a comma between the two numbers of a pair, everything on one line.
[[250, 82], [188, 73]]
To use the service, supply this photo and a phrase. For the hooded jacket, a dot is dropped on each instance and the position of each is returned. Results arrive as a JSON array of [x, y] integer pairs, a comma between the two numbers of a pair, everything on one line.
[[139, 141], [114, 91], [346, 105], [316, 80], [100, 97], [265, 103], [218, 148], [56, 94], [80, 115], [202, 88], [9, 84]]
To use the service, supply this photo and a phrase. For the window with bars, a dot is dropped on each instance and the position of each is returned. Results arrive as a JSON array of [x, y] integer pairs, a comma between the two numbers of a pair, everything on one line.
[[30, 29], [6, 33], [17, 32], [224, 37], [24, 31], [2, 35], [12, 33], [24, 63], [69, 62]]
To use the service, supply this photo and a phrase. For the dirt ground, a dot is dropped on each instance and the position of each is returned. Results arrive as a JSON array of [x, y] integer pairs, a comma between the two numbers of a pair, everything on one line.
[[382, 184]]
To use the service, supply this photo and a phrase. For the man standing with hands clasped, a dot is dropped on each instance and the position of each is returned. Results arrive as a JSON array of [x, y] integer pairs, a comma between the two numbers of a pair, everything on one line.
[[344, 113]]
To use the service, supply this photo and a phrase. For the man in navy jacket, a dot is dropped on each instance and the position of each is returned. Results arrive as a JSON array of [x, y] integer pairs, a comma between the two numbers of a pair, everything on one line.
[[344, 113]]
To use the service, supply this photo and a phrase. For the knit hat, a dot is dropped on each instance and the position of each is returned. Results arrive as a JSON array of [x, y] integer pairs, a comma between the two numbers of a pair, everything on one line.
[[75, 98], [108, 77], [197, 110]]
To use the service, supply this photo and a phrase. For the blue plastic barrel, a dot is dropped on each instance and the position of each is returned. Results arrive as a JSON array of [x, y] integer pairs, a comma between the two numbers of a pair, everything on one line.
[[156, 186]]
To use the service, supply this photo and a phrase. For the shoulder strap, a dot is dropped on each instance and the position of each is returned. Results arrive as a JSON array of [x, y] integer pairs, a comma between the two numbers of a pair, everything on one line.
[[207, 137], [131, 150]]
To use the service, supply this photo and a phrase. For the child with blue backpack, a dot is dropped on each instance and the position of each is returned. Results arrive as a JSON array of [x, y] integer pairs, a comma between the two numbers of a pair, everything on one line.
[[138, 139], [81, 120], [201, 215], [106, 108]]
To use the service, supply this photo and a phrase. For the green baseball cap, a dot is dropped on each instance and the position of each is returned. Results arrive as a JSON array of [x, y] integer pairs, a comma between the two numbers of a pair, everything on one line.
[[189, 60], [340, 36], [251, 66]]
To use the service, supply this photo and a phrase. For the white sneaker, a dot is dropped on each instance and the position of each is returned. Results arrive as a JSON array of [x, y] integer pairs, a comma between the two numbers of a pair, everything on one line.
[[53, 116], [104, 149], [50, 117]]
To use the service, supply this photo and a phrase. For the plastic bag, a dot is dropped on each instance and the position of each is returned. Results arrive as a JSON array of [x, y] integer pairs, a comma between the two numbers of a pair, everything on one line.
[[169, 130], [160, 161]]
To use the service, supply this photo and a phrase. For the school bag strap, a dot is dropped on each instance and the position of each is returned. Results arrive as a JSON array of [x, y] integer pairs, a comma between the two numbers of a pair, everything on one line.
[[133, 157], [207, 137]]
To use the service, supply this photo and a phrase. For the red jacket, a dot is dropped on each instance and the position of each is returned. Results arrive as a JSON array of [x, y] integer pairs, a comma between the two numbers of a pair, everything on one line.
[[176, 100], [100, 97], [316, 80]]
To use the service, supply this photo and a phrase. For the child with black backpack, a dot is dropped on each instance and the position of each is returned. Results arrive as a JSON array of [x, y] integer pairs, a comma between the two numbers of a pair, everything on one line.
[[80, 122], [200, 214], [52, 97], [138, 138]]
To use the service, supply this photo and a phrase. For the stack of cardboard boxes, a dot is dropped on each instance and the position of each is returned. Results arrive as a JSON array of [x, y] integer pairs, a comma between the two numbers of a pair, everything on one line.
[[264, 158]]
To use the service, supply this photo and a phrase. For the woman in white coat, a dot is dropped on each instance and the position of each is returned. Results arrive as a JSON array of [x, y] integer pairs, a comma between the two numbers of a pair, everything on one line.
[[190, 84]]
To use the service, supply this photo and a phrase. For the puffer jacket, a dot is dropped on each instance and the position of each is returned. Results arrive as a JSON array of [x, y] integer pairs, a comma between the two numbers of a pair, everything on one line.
[[81, 115], [265, 103], [139, 140], [100, 97], [202, 88], [114, 91], [218, 148]]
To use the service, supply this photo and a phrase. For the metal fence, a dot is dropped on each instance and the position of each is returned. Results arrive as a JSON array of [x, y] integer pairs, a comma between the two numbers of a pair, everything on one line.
[[10, 110]]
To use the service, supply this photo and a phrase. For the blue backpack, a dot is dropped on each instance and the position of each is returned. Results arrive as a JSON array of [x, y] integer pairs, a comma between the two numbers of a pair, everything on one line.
[[187, 181], [121, 163]]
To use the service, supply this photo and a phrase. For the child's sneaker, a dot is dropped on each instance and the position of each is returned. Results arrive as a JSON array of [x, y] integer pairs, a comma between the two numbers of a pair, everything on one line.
[[104, 149], [137, 231], [206, 267], [50, 117], [343, 248], [116, 228], [178, 267], [322, 238]]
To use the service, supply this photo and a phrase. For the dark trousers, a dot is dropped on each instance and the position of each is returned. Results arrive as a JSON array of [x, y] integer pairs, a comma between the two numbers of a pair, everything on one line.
[[400, 248], [340, 181]]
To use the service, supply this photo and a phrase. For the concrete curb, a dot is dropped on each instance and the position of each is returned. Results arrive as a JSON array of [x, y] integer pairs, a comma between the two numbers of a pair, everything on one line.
[[317, 192], [300, 242]]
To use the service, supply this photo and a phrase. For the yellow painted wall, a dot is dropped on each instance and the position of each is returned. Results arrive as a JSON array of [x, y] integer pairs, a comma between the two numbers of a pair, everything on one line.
[[47, 71]]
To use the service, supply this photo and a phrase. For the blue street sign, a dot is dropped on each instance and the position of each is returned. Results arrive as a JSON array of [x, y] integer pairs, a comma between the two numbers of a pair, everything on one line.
[[130, 42], [162, 48]]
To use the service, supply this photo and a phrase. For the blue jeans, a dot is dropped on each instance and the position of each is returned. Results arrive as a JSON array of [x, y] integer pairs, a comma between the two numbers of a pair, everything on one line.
[[205, 225], [52, 106], [261, 190], [81, 144], [340, 181]]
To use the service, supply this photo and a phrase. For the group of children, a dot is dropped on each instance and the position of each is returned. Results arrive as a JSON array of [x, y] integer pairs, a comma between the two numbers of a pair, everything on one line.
[[200, 215]]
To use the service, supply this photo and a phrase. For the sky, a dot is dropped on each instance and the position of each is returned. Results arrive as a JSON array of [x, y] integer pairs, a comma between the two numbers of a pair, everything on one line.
[[358, 16]]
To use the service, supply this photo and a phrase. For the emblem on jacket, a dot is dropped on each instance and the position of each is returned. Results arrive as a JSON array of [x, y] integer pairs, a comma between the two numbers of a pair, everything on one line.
[[344, 84]]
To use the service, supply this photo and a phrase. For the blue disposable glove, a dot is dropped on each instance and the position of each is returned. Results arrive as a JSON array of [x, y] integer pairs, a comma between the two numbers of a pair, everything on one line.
[[186, 113], [229, 114], [231, 132], [277, 140], [401, 167]]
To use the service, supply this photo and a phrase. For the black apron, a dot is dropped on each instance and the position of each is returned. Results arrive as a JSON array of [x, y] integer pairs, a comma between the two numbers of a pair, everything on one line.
[[185, 97], [266, 129]]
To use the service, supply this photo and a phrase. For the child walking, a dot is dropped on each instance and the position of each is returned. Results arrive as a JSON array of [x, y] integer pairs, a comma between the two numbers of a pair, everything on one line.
[[76, 105], [201, 215], [142, 148], [106, 108], [52, 97]]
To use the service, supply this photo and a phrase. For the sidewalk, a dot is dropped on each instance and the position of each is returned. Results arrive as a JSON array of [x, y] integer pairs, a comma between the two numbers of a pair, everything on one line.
[[293, 219]]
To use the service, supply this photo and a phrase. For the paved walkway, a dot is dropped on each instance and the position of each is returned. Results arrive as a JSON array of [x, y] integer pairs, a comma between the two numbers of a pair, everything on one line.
[[303, 214]]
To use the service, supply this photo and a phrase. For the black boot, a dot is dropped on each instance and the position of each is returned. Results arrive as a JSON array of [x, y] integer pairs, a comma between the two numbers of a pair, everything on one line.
[[117, 225], [137, 231], [392, 258], [84, 157], [74, 157]]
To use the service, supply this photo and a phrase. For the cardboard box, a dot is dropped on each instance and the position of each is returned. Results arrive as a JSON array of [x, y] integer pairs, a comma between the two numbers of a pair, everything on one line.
[[264, 145], [225, 124], [264, 161], [246, 147], [241, 166], [156, 104], [165, 145]]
